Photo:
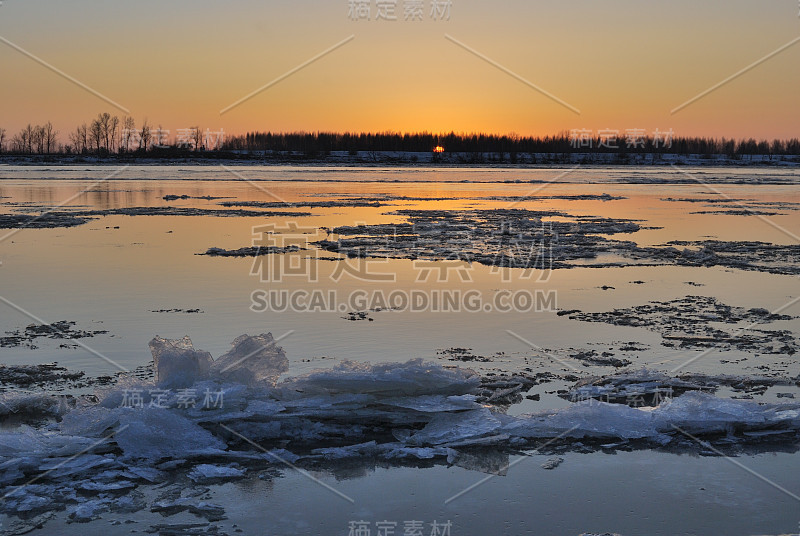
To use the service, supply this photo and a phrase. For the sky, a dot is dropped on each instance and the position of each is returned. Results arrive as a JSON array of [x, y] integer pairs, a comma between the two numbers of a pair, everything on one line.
[[506, 66]]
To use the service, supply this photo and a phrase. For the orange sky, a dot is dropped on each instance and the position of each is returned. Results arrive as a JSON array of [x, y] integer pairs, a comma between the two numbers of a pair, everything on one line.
[[623, 64]]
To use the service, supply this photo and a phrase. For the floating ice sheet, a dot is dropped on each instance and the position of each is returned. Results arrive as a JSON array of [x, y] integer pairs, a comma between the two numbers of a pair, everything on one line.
[[93, 460]]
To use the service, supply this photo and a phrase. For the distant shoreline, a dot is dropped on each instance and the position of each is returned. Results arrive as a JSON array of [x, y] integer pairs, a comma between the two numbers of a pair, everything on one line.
[[411, 160]]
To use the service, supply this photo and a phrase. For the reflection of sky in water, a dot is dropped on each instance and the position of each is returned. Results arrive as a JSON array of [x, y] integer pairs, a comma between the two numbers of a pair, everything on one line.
[[95, 273], [106, 278], [640, 492]]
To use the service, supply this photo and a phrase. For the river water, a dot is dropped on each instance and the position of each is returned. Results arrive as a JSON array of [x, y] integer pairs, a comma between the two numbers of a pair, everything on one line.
[[134, 275]]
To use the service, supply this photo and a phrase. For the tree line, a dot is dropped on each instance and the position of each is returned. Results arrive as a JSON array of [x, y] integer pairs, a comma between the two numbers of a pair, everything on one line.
[[321, 143], [104, 135], [41, 139], [107, 135]]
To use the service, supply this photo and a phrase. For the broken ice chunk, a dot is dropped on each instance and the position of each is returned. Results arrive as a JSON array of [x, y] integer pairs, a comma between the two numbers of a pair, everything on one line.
[[253, 360], [88, 511], [77, 465], [32, 405], [89, 422], [212, 512], [110, 486], [702, 413], [586, 419], [159, 433], [414, 378], [352, 451], [144, 473], [9, 472], [206, 472], [552, 463], [449, 427], [177, 363], [489, 461], [435, 403], [399, 451], [22, 500]]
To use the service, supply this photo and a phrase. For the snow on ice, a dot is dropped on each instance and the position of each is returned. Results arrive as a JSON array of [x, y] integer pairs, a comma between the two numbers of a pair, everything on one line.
[[93, 457]]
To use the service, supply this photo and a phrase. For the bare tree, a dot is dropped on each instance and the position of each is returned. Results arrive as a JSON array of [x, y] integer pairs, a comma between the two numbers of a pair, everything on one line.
[[49, 135], [96, 134], [145, 135], [128, 129], [18, 143], [83, 134], [104, 123], [2, 139], [197, 137], [113, 127], [29, 136], [38, 138], [79, 138], [75, 140]]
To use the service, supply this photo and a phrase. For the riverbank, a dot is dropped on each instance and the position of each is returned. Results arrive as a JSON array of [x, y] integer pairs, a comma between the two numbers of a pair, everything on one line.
[[406, 159]]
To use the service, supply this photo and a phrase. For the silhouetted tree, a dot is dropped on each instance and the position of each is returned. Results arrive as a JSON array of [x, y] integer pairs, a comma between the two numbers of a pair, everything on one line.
[[38, 138], [49, 135], [29, 137], [104, 124], [197, 137], [128, 130], [113, 127], [144, 137], [18, 143], [96, 134], [80, 139]]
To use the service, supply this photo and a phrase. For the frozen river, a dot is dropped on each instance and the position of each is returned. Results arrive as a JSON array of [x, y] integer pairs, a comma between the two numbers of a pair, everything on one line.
[[678, 285]]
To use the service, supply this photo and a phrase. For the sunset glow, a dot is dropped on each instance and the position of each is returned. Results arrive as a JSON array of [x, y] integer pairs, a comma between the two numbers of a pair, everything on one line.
[[621, 64]]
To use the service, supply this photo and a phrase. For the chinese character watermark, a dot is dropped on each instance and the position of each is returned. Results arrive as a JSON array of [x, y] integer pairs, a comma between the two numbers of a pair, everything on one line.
[[440, 9], [663, 138], [167, 399], [185, 138], [395, 528], [634, 138], [388, 10], [283, 252]]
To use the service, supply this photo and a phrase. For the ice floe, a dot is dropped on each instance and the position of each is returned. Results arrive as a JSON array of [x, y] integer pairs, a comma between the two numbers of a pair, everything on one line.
[[253, 360], [93, 458]]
